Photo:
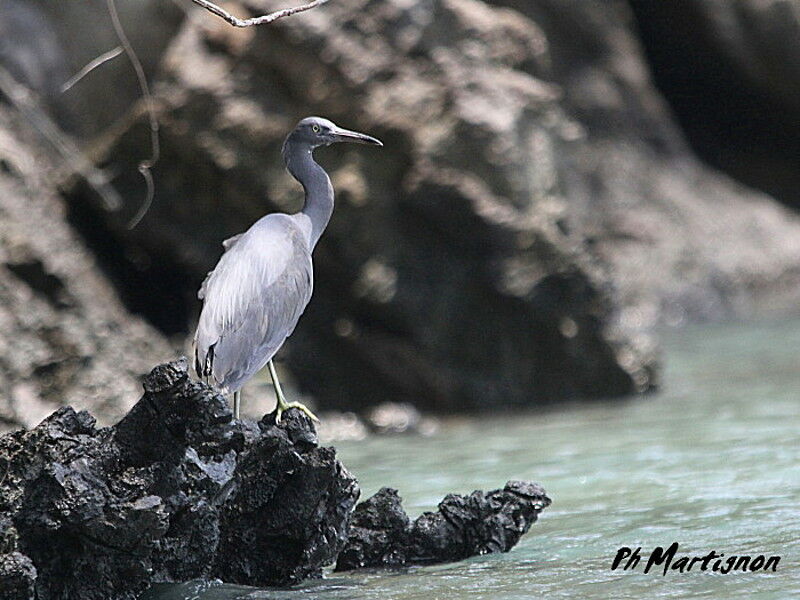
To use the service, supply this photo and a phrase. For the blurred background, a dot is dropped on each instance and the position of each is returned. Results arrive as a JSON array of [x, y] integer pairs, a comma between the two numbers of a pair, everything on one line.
[[561, 181], [583, 224]]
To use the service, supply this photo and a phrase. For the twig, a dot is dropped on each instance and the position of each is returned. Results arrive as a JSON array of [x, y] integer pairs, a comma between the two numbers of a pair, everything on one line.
[[24, 101], [274, 16], [91, 66], [155, 151]]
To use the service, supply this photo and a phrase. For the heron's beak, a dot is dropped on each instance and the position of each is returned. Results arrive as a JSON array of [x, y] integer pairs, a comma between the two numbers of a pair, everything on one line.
[[345, 135]]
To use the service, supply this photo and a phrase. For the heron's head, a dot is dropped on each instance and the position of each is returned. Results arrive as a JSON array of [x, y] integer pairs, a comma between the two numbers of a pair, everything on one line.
[[316, 131]]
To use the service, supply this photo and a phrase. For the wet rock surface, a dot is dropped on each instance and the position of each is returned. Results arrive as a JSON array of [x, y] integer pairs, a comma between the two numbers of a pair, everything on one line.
[[176, 490], [382, 535], [179, 491]]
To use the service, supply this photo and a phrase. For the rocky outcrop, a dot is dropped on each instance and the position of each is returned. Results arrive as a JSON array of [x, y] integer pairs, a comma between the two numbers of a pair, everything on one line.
[[178, 490], [382, 535], [174, 491]]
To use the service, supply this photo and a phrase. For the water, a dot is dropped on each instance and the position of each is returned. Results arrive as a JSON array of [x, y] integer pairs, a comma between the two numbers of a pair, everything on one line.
[[711, 462]]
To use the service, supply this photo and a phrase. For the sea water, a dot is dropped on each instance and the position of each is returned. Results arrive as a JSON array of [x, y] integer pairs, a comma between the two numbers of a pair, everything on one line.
[[712, 462]]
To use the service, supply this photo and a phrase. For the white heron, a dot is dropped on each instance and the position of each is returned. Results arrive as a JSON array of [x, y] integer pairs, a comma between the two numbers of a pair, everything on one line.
[[255, 295]]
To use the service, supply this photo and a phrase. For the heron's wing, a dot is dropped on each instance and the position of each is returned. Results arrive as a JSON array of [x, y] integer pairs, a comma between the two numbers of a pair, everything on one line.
[[227, 245], [253, 300]]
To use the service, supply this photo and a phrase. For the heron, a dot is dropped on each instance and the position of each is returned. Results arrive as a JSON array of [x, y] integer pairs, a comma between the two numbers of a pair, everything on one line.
[[254, 297]]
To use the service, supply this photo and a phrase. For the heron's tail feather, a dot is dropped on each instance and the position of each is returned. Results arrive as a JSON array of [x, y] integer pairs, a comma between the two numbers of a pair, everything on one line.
[[204, 365]]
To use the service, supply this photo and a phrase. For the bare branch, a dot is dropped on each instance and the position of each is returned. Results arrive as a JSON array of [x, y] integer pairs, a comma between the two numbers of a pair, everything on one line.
[[155, 150], [274, 16], [25, 102], [91, 66]]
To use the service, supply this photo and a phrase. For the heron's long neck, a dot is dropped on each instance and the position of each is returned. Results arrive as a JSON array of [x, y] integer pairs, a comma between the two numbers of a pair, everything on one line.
[[317, 185]]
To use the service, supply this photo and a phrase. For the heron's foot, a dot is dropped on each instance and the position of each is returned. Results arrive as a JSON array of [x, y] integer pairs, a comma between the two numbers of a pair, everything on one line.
[[284, 406]]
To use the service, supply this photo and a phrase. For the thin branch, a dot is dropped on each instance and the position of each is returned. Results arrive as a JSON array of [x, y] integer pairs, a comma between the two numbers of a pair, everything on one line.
[[145, 165], [148, 197], [264, 19], [91, 66], [25, 102]]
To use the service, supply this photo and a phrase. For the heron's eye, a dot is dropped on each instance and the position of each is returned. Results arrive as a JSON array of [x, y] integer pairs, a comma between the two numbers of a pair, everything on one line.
[[316, 128]]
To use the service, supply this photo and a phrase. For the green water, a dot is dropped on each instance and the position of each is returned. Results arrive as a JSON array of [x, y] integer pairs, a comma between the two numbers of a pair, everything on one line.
[[712, 462]]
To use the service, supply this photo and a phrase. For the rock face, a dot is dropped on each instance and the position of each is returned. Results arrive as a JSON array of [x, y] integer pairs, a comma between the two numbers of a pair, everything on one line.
[[174, 491], [449, 277], [534, 214], [177, 490], [43, 45], [681, 243], [65, 337], [731, 74], [382, 535]]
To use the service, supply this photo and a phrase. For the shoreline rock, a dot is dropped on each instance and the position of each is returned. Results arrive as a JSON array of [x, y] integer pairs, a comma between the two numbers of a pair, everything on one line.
[[382, 535], [178, 491]]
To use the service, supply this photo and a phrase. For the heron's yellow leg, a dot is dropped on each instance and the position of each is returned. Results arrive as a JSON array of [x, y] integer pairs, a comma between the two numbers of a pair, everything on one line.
[[283, 405]]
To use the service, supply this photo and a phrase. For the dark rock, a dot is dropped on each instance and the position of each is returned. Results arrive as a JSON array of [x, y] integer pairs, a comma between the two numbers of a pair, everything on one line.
[[286, 510], [17, 577], [381, 533], [176, 490]]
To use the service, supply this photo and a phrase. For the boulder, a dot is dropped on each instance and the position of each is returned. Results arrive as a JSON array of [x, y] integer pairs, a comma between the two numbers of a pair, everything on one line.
[[176, 490], [382, 535]]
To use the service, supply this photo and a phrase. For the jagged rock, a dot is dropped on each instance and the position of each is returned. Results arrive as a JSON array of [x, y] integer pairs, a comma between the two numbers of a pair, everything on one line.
[[17, 577], [382, 535], [176, 490], [291, 500]]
